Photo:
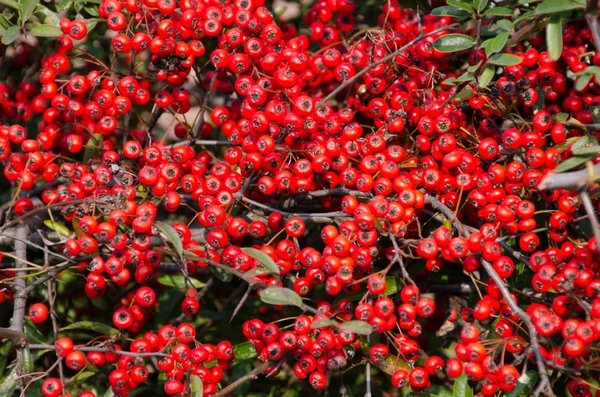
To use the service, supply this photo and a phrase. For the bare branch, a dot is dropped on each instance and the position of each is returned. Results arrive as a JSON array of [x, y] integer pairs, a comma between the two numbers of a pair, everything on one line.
[[569, 180], [249, 376]]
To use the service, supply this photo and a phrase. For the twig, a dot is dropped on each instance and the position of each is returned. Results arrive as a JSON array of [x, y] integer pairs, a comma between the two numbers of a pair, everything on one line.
[[241, 303], [324, 217], [249, 376], [102, 350], [568, 180], [198, 127], [398, 258], [20, 283], [589, 209]]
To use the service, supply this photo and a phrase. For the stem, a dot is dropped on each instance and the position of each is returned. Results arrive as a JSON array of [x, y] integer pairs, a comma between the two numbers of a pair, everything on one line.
[[249, 376], [20, 283], [198, 127]]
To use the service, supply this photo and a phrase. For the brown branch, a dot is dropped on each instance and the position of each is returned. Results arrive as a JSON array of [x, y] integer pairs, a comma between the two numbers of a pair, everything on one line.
[[20, 299], [198, 127], [249, 376], [102, 350], [324, 217], [569, 180]]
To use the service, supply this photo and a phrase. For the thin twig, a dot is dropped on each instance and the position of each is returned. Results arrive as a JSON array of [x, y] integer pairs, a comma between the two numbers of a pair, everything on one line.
[[249, 376]]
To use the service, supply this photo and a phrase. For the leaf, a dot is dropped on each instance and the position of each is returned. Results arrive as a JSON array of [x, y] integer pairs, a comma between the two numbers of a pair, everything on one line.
[[27, 7], [324, 322], [487, 76], [8, 386], [263, 258], [10, 35], [461, 387], [92, 326], [64, 5], [505, 24], [27, 361], [583, 81], [573, 162], [58, 227], [596, 114], [280, 296], [109, 393], [590, 150], [554, 37], [46, 31], [454, 42], [197, 386], [33, 333], [4, 350], [358, 327], [433, 391], [244, 351], [504, 60], [178, 281], [221, 275], [499, 12], [172, 235], [524, 384], [51, 18], [499, 42], [449, 11], [92, 147], [464, 94], [552, 6], [480, 5], [561, 117], [460, 4], [10, 3]]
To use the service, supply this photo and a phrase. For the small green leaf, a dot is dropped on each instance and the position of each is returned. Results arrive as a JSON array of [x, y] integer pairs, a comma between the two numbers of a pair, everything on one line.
[[27, 7], [461, 387], [454, 42], [573, 162], [583, 81], [449, 81], [596, 114], [464, 94], [324, 322], [27, 361], [92, 147], [46, 31], [64, 5], [58, 227], [524, 385], [51, 18], [504, 60], [554, 37], [358, 327], [499, 42], [552, 6], [92, 326], [487, 76], [10, 3], [505, 24], [465, 77], [243, 351], [499, 12], [541, 99], [280, 296], [480, 5], [4, 350], [197, 386], [590, 150], [109, 393], [10, 35], [264, 259], [449, 11], [172, 235], [460, 4], [561, 117], [8, 386], [178, 281]]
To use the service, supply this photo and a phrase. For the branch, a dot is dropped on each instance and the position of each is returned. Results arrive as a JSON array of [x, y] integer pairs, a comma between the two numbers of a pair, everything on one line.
[[198, 127], [323, 217], [385, 59], [18, 339], [589, 209], [569, 180], [249, 376], [102, 350], [20, 283]]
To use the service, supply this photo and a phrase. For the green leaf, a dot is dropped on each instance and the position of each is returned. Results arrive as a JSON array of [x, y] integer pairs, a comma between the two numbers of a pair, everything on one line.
[[323, 323], [465, 77], [172, 235], [93, 11], [221, 275], [10, 3], [505, 24], [244, 351], [504, 60], [487, 76], [178, 281], [92, 326], [596, 114], [524, 384], [46, 31], [449, 11], [58, 227], [499, 12], [10, 35], [561, 117], [197, 386], [461, 387], [449, 81], [499, 42], [433, 391], [358, 327], [92, 147], [554, 37], [464, 94], [583, 81], [4, 350], [51, 18], [280, 296], [27, 7], [460, 4], [454, 42], [33, 333], [263, 258], [8, 386], [590, 150], [27, 361], [64, 5], [552, 6], [573, 162], [480, 5], [109, 393]]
